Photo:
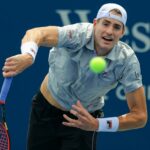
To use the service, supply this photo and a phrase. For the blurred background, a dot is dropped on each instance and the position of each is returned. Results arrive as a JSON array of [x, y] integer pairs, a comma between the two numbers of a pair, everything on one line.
[[18, 16]]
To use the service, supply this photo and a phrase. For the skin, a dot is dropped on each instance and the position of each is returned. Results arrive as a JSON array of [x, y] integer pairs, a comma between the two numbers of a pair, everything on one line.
[[107, 32], [106, 29]]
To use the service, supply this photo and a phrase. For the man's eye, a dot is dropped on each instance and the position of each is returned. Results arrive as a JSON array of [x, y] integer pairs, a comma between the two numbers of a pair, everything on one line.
[[105, 24], [117, 27]]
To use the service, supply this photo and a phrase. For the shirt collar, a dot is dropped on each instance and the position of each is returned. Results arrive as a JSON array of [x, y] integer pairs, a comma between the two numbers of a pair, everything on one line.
[[90, 44], [112, 55]]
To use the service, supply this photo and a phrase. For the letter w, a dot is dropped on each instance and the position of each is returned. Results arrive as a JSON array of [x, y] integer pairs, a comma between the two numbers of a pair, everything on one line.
[[64, 15]]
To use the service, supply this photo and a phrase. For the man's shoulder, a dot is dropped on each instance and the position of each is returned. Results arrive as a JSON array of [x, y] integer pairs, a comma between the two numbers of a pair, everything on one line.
[[83, 24], [124, 49], [79, 26], [124, 45]]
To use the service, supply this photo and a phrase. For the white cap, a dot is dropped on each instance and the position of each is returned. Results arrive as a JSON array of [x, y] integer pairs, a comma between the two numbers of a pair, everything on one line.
[[104, 11]]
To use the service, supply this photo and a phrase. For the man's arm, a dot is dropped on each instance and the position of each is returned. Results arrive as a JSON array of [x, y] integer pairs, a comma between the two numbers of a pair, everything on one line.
[[34, 38], [42, 36], [136, 118]]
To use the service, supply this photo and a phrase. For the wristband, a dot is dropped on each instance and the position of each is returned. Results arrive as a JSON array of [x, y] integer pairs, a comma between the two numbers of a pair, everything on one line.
[[30, 48], [110, 124]]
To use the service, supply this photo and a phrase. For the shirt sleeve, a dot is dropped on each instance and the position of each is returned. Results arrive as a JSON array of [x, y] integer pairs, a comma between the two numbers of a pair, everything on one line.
[[75, 36], [131, 77]]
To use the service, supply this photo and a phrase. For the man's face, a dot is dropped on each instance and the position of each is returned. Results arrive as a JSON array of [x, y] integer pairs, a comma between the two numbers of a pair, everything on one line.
[[107, 32]]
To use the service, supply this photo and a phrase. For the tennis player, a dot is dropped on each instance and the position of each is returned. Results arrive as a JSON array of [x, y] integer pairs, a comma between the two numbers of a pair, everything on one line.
[[67, 110]]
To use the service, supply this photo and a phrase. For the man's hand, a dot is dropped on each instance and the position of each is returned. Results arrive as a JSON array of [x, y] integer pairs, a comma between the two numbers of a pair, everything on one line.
[[16, 64], [85, 120]]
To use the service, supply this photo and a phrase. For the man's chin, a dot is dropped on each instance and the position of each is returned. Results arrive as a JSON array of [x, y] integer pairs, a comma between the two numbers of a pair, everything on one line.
[[106, 47]]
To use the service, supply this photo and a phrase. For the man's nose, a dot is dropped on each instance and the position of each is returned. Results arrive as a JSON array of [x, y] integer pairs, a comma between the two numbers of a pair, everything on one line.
[[109, 30]]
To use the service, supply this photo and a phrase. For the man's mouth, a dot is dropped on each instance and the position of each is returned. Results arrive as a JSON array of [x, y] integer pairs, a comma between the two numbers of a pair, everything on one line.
[[108, 39]]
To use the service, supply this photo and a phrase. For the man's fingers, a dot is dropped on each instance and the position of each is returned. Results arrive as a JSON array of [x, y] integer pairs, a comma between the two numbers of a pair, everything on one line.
[[68, 118], [10, 63], [76, 107], [68, 124], [75, 113], [9, 59], [9, 74], [80, 109], [81, 118], [9, 68], [71, 122], [79, 104], [78, 115]]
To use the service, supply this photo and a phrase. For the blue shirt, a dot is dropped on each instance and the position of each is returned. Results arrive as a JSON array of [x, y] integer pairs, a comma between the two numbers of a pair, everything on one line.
[[70, 78]]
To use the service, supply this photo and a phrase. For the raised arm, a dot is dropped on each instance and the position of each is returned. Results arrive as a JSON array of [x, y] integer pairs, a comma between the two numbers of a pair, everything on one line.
[[42, 36], [32, 40]]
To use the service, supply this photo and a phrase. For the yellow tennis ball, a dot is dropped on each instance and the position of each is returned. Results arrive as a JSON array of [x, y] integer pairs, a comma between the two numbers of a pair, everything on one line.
[[97, 64]]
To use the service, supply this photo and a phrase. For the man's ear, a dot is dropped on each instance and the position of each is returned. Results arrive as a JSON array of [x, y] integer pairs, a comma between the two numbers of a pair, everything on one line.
[[123, 31], [94, 22]]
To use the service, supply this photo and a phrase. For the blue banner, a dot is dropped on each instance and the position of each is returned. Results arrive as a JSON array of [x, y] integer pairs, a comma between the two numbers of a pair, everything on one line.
[[18, 16]]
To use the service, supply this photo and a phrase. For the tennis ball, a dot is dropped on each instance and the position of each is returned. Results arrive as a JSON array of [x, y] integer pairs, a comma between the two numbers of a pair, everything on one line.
[[97, 64]]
